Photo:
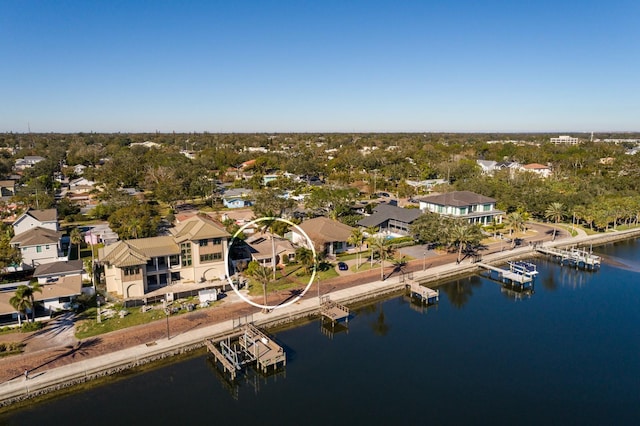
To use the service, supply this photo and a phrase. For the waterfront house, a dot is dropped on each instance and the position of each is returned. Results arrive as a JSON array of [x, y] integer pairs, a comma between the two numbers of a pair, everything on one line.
[[328, 236], [392, 220], [193, 254], [467, 205]]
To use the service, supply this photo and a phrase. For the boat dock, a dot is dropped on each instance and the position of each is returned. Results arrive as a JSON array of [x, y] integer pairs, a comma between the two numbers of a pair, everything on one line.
[[575, 257], [425, 294], [519, 274], [246, 346], [333, 310]]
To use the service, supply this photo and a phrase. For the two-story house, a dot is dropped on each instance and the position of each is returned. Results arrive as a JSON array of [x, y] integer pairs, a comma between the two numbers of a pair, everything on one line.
[[467, 205], [37, 237], [194, 253]]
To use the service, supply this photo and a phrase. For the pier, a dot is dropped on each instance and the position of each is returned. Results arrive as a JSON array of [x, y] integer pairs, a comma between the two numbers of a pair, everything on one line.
[[519, 275], [424, 294], [333, 310], [574, 257], [246, 346]]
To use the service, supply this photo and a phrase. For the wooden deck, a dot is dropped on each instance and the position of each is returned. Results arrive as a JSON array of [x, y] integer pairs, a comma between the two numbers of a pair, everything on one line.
[[250, 346], [217, 355], [575, 257], [264, 350], [425, 294], [508, 276], [333, 310]]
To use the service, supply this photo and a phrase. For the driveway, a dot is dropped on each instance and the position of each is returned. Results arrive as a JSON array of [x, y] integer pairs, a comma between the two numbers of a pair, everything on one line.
[[58, 332]]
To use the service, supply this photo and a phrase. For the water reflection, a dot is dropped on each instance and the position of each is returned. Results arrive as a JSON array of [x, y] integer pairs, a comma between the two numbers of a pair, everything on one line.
[[379, 325], [460, 291], [250, 379]]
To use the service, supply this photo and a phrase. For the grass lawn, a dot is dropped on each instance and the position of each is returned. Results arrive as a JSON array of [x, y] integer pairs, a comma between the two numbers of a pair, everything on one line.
[[293, 276], [87, 325]]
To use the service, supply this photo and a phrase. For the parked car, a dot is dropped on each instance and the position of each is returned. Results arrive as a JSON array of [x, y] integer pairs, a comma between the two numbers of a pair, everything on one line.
[[343, 266]]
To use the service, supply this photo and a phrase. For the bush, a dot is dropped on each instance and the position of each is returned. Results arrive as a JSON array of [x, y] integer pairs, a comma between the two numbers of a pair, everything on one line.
[[10, 347], [31, 326]]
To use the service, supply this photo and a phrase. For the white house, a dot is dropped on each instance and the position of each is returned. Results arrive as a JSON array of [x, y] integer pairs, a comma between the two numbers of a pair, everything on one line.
[[37, 237], [467, 205], [539, 169]]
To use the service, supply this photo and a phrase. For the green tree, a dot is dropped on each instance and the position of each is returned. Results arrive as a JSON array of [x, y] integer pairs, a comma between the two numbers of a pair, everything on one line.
[[263, 276], [9, 255], [305, 257], [356, 239], [555, 211], [134, 221], [24, 299], [463, 235], [76, 239], [384, 250]]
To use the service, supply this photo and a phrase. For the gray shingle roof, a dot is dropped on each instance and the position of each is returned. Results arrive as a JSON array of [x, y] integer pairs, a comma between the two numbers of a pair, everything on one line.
[[385, 212], [457, 199]]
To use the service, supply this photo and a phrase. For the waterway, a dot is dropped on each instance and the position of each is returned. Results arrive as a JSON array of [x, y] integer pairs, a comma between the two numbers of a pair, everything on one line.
[[567, 354]]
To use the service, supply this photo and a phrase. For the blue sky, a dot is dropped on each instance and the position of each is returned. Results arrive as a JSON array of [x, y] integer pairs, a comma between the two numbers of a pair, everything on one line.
[[319, 66]]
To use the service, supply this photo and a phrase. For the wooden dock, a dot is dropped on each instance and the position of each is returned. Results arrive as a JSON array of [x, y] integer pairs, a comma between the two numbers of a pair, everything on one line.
[[425, 294], [246, 346], [333, 310], [227, 366], [263, 350], [515, 275], [575, 257]]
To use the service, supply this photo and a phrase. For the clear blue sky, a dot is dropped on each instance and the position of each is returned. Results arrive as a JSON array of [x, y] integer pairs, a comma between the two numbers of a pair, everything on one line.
[[319, 66]]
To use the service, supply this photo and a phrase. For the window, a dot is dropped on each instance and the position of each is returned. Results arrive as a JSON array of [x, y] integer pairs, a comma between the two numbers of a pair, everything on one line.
[[210, 257], [203, 243], [38, 249], [134, 270], [217, 241], [487, 207], [46, 247], [185, 251]]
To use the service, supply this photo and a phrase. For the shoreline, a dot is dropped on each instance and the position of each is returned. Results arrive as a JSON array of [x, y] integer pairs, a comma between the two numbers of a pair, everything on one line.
[[79, 372]]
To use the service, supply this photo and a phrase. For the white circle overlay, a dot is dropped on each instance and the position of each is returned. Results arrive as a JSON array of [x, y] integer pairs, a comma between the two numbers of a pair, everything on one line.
[[235, 289]]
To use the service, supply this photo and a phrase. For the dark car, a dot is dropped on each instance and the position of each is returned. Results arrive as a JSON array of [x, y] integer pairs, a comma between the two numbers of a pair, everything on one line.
[[343, 266]]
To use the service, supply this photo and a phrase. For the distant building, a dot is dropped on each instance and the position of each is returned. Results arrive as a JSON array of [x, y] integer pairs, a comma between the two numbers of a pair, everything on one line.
[[565, 140], [539, 169]]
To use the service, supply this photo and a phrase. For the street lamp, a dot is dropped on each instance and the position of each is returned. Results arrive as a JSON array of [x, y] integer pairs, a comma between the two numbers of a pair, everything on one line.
[[166, 312], [424, 260]]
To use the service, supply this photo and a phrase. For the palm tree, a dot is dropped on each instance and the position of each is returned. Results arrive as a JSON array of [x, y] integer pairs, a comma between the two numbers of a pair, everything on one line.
[[23, 299], [384, 250], [268, 227], [371, 231], [76, 239], [20, 304], [515, 222], [263, 275], [305, 257], [555, 212], [463, 235], [356, 239]]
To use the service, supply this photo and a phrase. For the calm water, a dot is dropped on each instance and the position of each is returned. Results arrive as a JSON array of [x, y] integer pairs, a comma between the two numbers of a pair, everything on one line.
[[569, 354]]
